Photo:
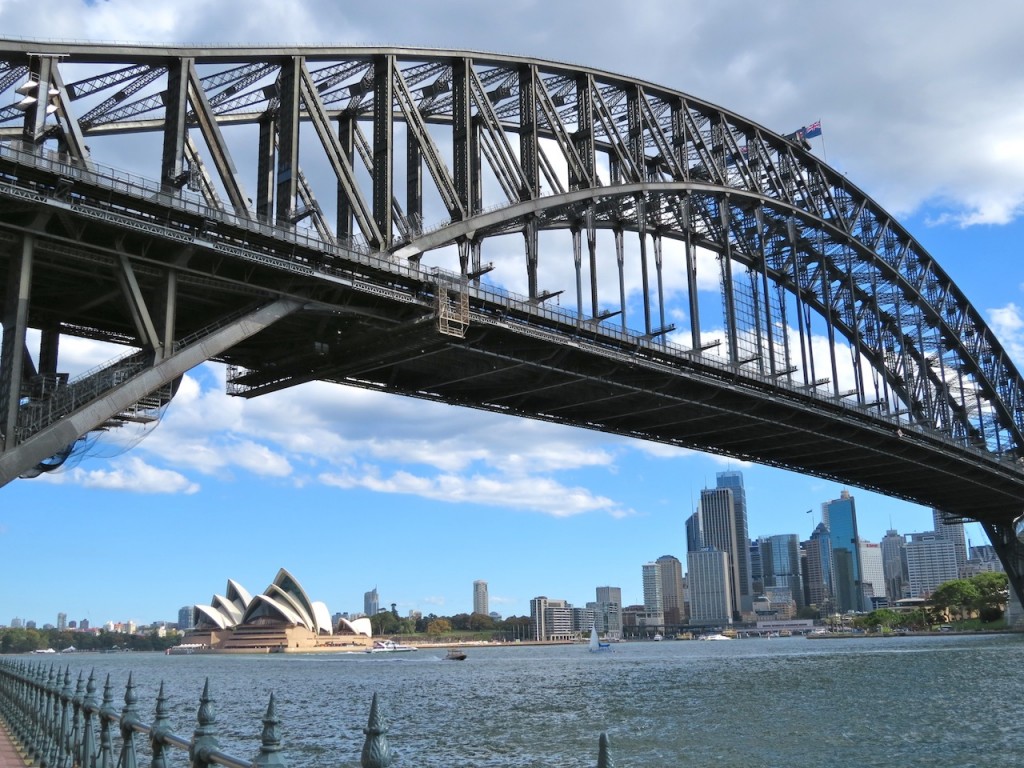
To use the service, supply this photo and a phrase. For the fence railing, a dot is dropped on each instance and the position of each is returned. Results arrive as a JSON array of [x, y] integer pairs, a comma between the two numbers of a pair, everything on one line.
[[55, 725]]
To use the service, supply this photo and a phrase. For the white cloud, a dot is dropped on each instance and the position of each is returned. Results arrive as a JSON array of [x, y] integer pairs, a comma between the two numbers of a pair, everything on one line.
[[1008, 325], [134, 475], [536, 494]]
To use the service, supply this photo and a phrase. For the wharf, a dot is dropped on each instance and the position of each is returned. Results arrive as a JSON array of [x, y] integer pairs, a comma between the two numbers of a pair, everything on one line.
[[10, 756]]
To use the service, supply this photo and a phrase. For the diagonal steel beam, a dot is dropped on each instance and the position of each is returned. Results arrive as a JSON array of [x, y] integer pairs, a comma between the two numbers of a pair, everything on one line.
[[54, 438], [338, 158], [215, 142]]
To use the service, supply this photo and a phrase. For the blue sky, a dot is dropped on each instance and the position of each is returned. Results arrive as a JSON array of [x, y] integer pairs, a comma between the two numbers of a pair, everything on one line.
[[351, 489]]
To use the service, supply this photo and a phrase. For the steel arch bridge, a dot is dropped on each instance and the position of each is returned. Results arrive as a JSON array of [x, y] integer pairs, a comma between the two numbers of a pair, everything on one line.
[[493, 231]]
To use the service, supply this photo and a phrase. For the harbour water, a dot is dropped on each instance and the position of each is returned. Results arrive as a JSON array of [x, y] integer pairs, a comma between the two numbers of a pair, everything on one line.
[[908, 701]]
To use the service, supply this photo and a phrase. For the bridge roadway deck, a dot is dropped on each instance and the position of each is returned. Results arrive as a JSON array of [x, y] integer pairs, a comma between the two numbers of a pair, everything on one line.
[[10, 756]]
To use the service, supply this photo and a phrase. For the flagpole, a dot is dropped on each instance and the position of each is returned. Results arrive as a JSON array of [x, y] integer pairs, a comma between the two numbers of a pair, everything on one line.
[[824, 154]]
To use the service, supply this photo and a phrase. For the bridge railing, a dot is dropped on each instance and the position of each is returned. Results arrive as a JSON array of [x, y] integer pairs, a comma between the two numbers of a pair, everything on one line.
[[55, 725]]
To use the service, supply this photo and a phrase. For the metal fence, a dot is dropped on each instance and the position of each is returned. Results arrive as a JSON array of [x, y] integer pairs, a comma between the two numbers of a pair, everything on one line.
[[57, 725]]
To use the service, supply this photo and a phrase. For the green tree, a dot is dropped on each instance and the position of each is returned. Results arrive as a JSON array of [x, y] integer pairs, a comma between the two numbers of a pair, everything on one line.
[[886, 618], [993, 591], [384, 623], [480, 622], [439, 627], [955, 598]]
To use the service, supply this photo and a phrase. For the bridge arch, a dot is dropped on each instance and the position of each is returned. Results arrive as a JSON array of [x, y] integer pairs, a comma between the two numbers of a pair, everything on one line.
[[488, 145]]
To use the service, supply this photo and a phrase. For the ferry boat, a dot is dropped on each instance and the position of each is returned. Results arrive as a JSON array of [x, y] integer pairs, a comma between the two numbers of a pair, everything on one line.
[[389, 646]]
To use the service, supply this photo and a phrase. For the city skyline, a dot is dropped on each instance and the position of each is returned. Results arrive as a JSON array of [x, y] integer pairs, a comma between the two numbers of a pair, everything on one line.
[[351, 488], [661, 580]]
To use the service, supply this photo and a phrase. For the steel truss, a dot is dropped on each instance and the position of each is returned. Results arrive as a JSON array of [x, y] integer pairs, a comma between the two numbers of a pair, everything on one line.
[[372, 145]]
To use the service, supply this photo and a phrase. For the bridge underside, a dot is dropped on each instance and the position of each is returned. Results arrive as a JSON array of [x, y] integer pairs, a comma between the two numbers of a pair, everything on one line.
[[373, 321], [499, 368]]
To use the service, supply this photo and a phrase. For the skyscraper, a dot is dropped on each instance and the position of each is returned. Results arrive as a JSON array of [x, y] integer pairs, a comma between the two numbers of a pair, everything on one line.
[[694, 541], [818, 550], [480, 597], [894, 566], [780, 564], [62, 621], [720, 530], [371, 602], [840, 516], [733, 480], [671, 589], [710, 577], [654, 607]]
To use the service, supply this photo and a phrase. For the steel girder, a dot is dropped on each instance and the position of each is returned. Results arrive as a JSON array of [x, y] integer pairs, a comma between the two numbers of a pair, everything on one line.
[[520, 145]]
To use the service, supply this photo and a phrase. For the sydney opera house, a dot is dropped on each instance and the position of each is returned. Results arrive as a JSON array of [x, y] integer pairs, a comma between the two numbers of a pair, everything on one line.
[[282, 619]]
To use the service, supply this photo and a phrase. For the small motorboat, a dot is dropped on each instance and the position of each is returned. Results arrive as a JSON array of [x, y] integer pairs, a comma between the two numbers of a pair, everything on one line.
[[454, 654]]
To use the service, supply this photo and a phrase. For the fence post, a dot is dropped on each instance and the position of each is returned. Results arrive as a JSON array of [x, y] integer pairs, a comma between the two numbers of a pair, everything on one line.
[[159, 731], [270, 749], [204, 739], [51, 717], [604, 758], [129, 719], [64, 731], [74, 748], [106, 713], [87, 755], [376, 750], [36, 702]]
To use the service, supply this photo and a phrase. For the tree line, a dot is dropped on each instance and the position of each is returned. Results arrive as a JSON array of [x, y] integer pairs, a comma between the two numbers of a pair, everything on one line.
[[390, 623], [21, 640], [982, 597]]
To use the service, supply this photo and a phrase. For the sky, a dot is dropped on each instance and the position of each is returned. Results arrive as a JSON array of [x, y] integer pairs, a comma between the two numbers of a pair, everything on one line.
[[921, 107]]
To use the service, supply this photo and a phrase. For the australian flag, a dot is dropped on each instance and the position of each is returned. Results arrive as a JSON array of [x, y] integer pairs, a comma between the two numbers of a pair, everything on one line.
[[812, 130]]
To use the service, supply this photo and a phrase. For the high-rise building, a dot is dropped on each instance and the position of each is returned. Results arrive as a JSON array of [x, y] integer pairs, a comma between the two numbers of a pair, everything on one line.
[[757, 565], [371, 602], [608, 611], [931, 561], [185, 618], [653, 603], [62, 621], [952, 531], [894, 566], [818, 551], [672, 599], [480, 597], [694, 540], [733, 480], [718, 526], [840, 516], [780, 564], [872, 578], [550, 619], [709, 574]]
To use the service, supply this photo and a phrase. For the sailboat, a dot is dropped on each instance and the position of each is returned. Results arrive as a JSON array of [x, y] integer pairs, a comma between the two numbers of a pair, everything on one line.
[[595, 644]]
